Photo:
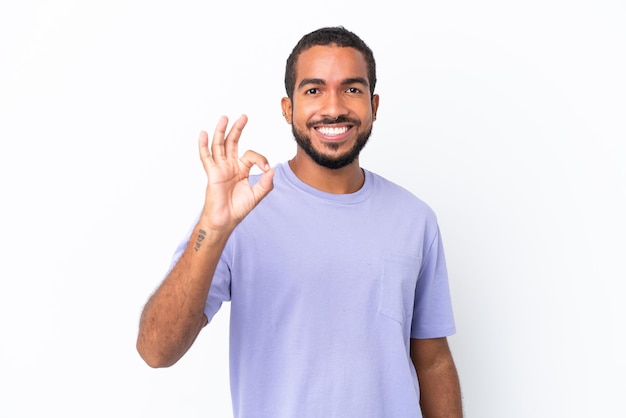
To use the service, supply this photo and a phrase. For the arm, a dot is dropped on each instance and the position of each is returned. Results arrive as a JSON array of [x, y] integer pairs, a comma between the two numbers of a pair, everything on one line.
[[174, 314], [438, 379]]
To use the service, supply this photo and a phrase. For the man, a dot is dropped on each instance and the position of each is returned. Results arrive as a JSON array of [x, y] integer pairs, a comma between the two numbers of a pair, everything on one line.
[[336, 277]]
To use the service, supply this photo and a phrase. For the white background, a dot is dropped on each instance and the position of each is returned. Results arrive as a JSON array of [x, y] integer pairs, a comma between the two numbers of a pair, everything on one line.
[[508, 118]]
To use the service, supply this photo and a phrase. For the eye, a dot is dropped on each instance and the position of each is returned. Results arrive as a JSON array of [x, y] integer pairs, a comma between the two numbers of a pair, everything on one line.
[[353, 90], [313, 90]]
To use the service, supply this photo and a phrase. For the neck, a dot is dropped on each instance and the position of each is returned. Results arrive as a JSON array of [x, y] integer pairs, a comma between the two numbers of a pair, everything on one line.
[[348, 179]]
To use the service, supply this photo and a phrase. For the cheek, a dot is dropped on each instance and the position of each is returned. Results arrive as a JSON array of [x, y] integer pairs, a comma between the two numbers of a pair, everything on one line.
[[301, 114]]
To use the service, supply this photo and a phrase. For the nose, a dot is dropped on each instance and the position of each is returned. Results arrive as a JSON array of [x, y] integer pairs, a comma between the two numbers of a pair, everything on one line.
[[334, 105]]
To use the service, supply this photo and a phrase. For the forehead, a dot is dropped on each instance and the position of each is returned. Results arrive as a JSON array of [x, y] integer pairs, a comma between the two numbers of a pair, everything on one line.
[[330, 62]]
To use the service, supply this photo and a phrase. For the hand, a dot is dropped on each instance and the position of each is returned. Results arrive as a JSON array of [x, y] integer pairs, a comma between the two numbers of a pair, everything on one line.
[[229, 196]]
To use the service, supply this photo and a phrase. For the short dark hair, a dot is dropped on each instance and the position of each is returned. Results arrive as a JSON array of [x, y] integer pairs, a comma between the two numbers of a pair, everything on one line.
[[336, 35]]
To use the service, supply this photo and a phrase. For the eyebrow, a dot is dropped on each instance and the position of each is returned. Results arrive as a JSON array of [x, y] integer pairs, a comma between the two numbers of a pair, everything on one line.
[[319, 81]]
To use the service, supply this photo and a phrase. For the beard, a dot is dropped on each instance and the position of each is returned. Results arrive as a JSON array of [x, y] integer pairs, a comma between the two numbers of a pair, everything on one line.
[[333, 162]]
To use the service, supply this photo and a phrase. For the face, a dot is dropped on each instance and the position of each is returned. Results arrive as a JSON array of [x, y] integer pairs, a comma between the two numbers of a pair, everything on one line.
[[332, 111]]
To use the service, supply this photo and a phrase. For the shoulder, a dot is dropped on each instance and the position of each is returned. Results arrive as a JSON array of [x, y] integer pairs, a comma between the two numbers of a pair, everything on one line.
[[397, 196]]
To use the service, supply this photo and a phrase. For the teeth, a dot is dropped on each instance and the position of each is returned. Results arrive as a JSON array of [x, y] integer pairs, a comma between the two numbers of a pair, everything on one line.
[[332, 131]]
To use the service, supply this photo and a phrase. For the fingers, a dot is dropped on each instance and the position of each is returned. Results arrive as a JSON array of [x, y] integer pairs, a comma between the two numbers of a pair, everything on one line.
[[218, 149], [203, 148], [265, 183], [232, 140], [225, 146], [250, 158]]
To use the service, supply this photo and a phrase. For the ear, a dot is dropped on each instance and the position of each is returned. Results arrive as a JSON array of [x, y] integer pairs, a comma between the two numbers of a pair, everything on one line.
[[285, 103], [375, 100]]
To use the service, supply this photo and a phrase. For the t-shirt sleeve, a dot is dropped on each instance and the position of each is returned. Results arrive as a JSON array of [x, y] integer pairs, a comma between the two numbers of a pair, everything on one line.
[[220, 287], [432, 313]]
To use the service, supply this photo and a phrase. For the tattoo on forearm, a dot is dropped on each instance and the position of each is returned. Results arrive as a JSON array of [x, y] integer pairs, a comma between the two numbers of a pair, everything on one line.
[[201, 235]]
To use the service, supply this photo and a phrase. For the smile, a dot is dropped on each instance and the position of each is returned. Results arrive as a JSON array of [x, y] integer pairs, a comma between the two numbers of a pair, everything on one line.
[[332, 131]]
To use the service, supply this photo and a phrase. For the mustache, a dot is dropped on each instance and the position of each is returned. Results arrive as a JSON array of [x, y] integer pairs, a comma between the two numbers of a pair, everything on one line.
[[329, 121]]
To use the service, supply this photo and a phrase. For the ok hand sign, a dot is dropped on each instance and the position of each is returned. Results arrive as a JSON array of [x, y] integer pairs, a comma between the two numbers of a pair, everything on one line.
[[229, 196]]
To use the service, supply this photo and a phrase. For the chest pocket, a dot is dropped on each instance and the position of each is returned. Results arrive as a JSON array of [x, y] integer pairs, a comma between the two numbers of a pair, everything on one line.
[[397, 286]]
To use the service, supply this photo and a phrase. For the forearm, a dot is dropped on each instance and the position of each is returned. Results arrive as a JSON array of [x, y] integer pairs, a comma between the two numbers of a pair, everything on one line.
[[174, 315], [440, 391]]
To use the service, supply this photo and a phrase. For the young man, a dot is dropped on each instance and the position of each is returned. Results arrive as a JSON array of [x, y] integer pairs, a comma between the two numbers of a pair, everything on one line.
[[336, 277]]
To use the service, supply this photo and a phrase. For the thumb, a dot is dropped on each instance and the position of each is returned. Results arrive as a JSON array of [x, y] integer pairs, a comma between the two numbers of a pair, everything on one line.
[[264, 185]]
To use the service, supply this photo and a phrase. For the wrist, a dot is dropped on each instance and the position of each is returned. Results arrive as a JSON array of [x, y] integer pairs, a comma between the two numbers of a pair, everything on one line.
[[206, 232]]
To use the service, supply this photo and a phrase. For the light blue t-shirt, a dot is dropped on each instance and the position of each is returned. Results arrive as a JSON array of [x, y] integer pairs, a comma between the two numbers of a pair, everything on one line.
[[326, 290]]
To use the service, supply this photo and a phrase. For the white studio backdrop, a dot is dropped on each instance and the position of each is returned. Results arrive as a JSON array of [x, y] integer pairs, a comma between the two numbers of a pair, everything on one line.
[[508, 118]]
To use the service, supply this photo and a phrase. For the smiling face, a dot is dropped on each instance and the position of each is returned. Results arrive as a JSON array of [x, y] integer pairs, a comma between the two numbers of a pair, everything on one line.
[[332, 110]]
